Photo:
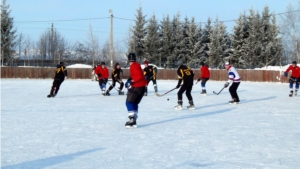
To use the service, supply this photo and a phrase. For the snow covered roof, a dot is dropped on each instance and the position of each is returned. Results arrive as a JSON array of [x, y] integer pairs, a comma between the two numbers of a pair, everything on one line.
[[79, 66]]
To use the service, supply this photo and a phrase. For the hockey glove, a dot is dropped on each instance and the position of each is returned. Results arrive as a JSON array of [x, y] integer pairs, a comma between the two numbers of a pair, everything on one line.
[[198, 79], [285, 74], [226, 84], [128, 84]]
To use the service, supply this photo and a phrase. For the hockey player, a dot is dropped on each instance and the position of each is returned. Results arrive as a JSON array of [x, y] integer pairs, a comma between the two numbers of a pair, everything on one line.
[[186, 75], [234, 78], [295, 77], [137, 82], [115, 75], [150, 72], [205, 74], [60, 74], [102, 73]]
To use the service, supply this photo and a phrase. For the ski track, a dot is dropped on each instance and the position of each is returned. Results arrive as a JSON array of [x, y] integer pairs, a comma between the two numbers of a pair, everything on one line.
[[80, 128]]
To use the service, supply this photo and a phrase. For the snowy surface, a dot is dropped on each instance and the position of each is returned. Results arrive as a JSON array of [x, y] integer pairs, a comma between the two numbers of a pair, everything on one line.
[[79, 66], [81, 129]]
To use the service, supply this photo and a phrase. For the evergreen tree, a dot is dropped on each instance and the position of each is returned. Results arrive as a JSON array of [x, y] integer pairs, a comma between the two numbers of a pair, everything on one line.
[[139, 33], [8, 35], [218, 45], [165, 41], [152, 42], [176, 39], [185, 53], [238, 38], [193, 38], [205, 40], [253, 43], [270, 48]]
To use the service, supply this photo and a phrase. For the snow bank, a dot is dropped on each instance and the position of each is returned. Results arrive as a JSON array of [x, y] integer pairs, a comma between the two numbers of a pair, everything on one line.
[[79, 66]]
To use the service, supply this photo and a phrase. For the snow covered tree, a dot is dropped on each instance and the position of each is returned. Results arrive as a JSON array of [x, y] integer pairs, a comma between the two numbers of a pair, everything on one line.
[[193, 38], [254, 42], [219, 43], [269, 39], [139, 33], [176, 38], [205, 40], [151, 42], [289, 28], [8, 35], [238, 38], [165, 34]]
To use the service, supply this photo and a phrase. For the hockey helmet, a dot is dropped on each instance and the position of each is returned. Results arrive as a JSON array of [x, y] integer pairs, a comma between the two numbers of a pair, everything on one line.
[[132, 57]]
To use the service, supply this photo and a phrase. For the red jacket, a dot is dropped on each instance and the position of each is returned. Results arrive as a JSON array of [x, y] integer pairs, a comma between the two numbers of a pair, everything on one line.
[[137, 75], [204, 72], [102, 71], [295, 71]]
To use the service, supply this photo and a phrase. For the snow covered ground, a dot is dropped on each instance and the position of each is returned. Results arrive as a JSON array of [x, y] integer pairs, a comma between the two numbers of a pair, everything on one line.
[[81, 129]]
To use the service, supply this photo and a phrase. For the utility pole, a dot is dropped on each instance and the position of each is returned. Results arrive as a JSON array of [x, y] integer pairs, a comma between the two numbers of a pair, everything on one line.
[[111, 47]]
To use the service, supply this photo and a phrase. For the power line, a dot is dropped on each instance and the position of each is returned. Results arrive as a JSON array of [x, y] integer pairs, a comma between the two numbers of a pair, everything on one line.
[[67, 20]]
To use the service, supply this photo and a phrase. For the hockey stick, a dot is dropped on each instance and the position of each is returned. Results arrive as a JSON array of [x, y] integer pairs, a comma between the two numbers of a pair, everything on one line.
[[164, 93], [219, 91]]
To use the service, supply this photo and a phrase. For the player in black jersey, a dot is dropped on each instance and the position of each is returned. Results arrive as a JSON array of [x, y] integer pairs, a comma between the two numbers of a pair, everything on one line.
[[185, 75], [116, 72], [150, 72], [60, 74]]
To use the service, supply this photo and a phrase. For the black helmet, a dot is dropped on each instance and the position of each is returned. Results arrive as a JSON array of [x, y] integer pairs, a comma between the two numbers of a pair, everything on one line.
[[98, 63], [294, 62], [132, 57], [117, 64], [102, 63], [202, 63], [61, 63]]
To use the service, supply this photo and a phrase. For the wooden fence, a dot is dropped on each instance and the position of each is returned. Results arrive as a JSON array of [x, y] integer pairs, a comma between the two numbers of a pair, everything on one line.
[[85, 73]]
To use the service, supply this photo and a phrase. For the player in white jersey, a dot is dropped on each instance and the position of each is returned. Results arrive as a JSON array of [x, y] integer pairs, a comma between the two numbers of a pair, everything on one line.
[[235, 80]]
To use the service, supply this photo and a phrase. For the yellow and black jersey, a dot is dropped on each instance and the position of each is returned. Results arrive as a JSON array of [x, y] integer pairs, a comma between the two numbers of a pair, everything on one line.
[[150, 72], [185, 74], [60, 72], [116, 74]]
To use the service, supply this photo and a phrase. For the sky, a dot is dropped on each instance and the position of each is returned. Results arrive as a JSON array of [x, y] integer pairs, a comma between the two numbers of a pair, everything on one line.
[[95, 13], [81, 129]]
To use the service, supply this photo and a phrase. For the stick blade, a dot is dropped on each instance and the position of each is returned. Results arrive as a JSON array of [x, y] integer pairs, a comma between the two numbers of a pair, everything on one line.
[[215, 93], [157, 94]]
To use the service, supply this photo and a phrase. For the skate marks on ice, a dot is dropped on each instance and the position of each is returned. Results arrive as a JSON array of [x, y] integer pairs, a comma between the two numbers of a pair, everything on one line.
[[190, 116], [257, 100], [50, 161]]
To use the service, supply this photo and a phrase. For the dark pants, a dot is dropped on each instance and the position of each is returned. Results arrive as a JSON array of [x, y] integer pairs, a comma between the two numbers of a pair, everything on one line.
[[154, 84], [55, 86], [114, 84], [136, 94], [187, 90], [102, 83], [232, 89], [133, 99]]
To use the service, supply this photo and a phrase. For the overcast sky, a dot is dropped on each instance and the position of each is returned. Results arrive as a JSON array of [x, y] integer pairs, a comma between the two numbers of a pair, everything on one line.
[[80, 14]]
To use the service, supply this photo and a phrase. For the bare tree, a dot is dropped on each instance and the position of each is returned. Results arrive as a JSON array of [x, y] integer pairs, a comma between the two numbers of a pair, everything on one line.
[[290, 27], [93, 44]]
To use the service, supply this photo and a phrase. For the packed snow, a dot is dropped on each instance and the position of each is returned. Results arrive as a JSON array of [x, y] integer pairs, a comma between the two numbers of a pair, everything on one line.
[[80, 128], [79, 66]]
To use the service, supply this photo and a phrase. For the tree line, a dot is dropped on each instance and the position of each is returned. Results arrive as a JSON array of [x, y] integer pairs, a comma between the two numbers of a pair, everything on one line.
[[256, 40]]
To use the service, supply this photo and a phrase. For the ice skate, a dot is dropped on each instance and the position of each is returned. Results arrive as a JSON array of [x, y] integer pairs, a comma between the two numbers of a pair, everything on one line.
[[50, 95], [121, 92], [178, 107], [291, 94], [295, 92], [131, 123], [234, 101], [191, 106], [145, 94], [203, 92], [107, 93]]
